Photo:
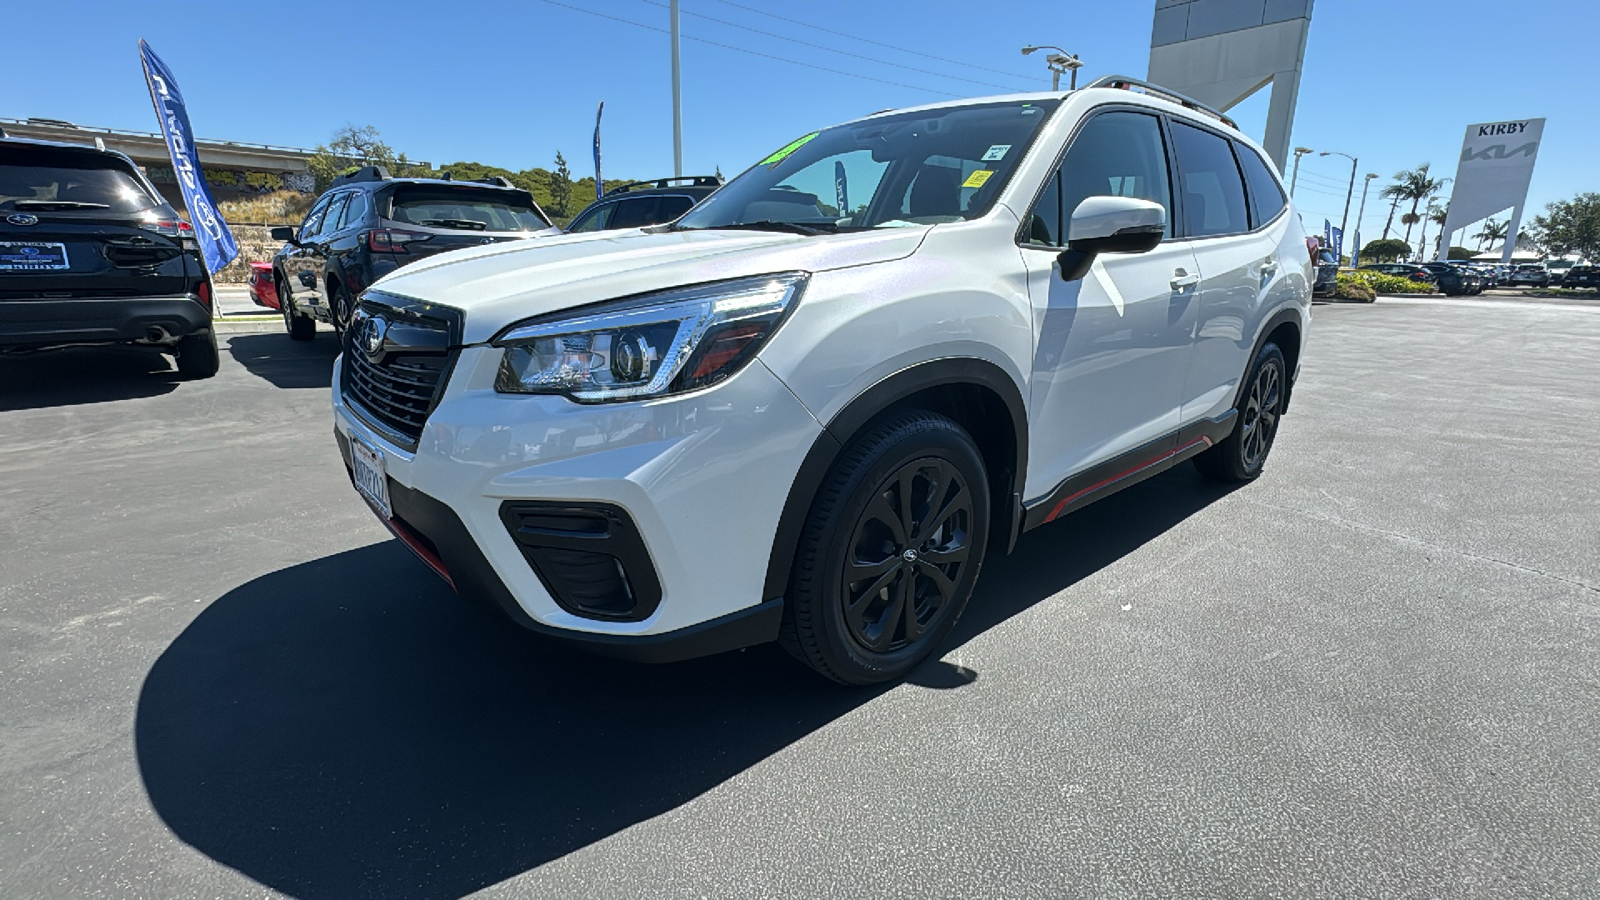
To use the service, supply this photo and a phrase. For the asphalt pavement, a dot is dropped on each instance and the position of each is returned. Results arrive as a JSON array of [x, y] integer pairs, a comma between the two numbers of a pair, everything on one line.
[[1375, 672]]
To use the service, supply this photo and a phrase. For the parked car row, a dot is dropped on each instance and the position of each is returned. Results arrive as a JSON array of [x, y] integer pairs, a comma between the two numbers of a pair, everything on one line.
[[369, 224]]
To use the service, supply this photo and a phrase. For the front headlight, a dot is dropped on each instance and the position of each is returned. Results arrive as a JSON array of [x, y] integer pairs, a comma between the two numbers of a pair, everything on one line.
[[647, 346]]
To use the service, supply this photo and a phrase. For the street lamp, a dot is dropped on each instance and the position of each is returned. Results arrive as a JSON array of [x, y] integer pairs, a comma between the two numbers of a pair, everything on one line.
[[1348, 191], [1355, 254], [1059, 61], [1295, 178]]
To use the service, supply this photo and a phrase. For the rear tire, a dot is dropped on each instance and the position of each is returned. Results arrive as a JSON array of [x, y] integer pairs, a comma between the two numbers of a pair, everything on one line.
[[339, 307], [198, 356], [1243, 453], [890, 551], [300, 328]]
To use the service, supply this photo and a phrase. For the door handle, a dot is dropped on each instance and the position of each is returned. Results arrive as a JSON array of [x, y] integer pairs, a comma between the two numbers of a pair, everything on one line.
[[1182, 279]]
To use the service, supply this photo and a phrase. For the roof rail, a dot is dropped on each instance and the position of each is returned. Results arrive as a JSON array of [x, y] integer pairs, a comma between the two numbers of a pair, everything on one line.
[[693, 181], [1154, 90], [497, 181], [365, 173]]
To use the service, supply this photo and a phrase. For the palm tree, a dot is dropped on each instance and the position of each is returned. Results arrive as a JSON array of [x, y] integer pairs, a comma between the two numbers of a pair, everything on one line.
[[1415, 185], [1438, 215], [1492, 231], [1395, 193]]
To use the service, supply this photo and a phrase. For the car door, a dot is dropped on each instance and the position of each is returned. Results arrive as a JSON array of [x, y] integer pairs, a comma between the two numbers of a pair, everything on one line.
[[343, 244], [1236, 265], [1111, 349], [315, 261], [298, 281]]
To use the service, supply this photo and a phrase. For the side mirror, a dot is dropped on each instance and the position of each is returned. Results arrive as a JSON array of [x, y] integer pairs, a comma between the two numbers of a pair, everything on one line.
[[1110, 225], [283, 233]]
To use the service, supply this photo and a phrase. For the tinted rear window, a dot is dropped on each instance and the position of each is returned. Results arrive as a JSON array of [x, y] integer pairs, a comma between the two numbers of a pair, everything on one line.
[[1213, 191], [45, 180], [466, 209], [1266, 198]]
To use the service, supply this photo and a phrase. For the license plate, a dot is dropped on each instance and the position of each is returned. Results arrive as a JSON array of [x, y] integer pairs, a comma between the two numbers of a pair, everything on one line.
[[367, 464], [32, 256]]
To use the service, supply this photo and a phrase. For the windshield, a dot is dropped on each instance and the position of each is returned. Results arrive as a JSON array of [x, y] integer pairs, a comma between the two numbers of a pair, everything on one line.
[[42, 181], [467, 209], [922, 168]]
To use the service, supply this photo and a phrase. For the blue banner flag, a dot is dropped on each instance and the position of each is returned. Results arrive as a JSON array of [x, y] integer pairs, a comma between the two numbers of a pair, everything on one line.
[[216, 241], [1338, 243], [599, 184], [841, 188]]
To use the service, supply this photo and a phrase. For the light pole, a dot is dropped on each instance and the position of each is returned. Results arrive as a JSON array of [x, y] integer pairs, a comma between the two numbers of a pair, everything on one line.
[[1355, 254], [1059, 61], [1349, 192], [1295, 177], [677, 101]]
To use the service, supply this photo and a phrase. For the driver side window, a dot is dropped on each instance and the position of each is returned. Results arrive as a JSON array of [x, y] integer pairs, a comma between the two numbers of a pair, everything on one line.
[[1116, 154], [308, 228]]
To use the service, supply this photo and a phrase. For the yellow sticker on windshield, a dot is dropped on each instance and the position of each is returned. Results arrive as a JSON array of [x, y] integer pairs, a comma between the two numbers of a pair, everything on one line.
[[976, 179], [786, 149]]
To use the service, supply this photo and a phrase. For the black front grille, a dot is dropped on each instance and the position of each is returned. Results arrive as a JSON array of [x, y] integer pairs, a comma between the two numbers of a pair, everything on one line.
[[395, 388]]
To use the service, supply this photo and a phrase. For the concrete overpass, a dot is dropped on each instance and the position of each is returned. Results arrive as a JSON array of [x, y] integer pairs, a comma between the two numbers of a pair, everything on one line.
[[150, 151]]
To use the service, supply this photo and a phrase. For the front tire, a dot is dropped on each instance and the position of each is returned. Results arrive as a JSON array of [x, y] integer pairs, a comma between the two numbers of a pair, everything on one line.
[[198, 356], [890, 551], [300, 328], [1243, 453]]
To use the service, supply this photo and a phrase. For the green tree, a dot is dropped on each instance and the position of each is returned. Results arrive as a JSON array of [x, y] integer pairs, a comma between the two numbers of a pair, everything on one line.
[[1385, 250], [1415, 185], [1492, 231], [1570, 227], [1460, 253], [561, 188], [352, 148]]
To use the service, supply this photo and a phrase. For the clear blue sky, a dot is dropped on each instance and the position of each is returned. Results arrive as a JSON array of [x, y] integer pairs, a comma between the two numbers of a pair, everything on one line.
[[509, 82]]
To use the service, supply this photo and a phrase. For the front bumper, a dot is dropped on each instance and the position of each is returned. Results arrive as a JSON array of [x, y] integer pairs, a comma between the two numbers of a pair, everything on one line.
[[90, 320], [702, 479]]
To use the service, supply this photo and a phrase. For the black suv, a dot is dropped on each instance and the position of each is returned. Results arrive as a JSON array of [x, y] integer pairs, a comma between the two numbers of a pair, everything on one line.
[[1582, 277], [641, 203], [1455, 280], [91, 254], [368, 224]]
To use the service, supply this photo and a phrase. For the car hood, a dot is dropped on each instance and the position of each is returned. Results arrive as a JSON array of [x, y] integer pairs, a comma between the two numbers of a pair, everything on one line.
[[498, 284]]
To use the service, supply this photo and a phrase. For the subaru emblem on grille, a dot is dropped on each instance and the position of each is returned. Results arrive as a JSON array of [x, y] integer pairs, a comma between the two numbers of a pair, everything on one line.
[[22, 219], [372, 336]]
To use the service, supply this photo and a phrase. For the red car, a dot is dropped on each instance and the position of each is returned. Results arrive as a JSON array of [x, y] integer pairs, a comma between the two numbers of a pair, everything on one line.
[[263, 290]]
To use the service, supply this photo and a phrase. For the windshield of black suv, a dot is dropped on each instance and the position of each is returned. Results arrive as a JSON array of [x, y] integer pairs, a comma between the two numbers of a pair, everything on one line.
[[467, 209], [916, 168], [46, 179]]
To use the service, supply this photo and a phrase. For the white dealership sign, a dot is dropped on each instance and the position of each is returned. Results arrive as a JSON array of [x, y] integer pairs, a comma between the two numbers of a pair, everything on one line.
[[1493, 175]]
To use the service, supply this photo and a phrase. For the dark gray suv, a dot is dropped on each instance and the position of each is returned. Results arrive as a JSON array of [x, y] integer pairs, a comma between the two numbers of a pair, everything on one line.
[[368, 224]]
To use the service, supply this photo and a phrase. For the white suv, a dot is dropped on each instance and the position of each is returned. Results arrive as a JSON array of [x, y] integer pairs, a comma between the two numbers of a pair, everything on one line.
[[806, 410]]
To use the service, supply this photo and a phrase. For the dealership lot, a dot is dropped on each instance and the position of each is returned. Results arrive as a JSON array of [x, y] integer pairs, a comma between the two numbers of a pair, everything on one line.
[[1373, 672]]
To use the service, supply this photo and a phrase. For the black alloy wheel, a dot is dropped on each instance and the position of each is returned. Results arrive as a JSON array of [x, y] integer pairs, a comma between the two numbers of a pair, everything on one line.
[[904, 559], [1262, 406], [890, 551], [1243, 453], [339, 307]]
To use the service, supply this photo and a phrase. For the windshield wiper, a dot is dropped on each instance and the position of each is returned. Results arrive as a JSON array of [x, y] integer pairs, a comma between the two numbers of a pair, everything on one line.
[[806, 228], [463, 224], [58, 204]]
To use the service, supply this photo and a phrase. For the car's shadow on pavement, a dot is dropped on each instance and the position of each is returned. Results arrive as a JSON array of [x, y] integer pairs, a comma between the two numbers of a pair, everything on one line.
[[286, 363], [349, 727], [77, 375]]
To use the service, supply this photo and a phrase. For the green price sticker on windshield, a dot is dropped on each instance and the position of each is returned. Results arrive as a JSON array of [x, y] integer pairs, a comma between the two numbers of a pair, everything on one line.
[[786, 149]]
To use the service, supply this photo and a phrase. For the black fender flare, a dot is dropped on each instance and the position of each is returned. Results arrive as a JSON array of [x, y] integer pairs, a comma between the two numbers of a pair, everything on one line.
[[882, 395], [1292, 316]]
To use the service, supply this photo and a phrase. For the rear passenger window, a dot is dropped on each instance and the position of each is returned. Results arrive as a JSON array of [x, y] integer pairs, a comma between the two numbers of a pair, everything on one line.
[[1266, 197], [330, 221], [355, 212], [1213, 191], [635, 213], [673, 207], [1117, 154]]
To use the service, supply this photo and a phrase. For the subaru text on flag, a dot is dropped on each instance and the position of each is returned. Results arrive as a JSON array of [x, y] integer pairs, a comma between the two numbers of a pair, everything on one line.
[[779, 419]]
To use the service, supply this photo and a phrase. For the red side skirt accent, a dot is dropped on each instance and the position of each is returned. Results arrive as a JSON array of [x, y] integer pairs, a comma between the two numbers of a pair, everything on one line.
[[1121, 475]]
